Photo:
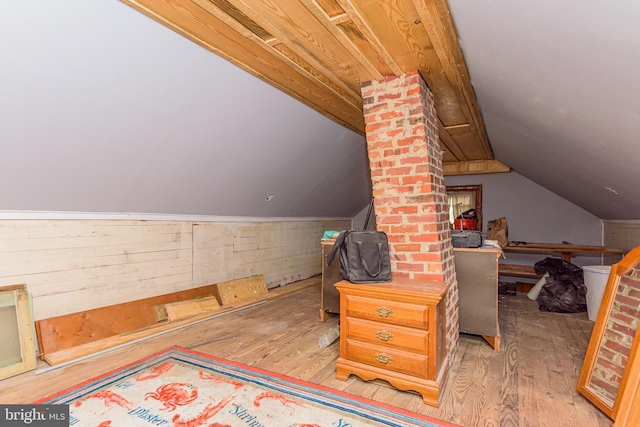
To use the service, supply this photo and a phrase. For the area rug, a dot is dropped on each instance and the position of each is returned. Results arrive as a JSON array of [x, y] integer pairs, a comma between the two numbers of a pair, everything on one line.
[[184, 388]]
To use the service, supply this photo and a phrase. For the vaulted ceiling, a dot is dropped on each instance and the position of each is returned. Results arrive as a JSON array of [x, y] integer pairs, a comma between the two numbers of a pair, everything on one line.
[[557, 94], [105, 110], [321, 51]]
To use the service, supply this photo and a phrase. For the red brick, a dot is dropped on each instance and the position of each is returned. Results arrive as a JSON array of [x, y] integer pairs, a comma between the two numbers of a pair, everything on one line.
[[431, 227], [401, 274], [407, 247], [633, 302], [399, 170], [425, 168], [380, 144], [424, 237], [615, 346], [414, 91], [410, 141], [394, 132], [426, 188], [399, 256], [396, 151], [384, 228], [417, 110], [631, 311], [413, 160], [623, 329], [371, 111], [389, 219], [405, 266], [375, 126], [414, 100], [426, 257], [405, 228], [396, 238], [422, 218], [390, 96], [387, 200], [415, 179], [374, 154], [404, 210], [390, 115], [621, 317], [404, 189]]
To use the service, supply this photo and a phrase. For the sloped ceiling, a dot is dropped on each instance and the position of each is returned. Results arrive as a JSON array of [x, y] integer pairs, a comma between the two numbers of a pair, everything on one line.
[[557, 83], [321, 51], [104, 110], [554, 80]]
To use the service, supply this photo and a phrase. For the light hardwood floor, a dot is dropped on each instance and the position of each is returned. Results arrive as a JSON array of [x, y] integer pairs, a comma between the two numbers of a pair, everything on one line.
[[531, 382]]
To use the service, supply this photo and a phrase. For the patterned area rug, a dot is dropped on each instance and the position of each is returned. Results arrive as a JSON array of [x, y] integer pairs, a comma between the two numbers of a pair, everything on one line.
[[184, 388]]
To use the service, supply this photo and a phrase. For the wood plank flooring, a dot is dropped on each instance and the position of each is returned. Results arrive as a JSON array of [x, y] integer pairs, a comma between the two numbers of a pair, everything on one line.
[[531, 382]]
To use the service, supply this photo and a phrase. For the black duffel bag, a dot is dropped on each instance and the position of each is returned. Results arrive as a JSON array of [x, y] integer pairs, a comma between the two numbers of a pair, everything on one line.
[[364, 255]]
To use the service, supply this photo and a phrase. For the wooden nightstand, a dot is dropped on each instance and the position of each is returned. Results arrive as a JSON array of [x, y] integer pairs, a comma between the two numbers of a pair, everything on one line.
[[395, 332]]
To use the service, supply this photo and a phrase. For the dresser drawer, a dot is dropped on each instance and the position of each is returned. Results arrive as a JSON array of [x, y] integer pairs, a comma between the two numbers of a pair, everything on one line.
[[392, 312], [387, 358], [378, 333]]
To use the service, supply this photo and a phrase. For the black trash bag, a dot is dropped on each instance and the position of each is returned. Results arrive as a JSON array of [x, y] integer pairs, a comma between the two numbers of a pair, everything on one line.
[[564, 290]]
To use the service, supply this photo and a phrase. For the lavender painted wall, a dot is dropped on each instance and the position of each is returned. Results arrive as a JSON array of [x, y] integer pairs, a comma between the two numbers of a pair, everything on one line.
[[105, 110], [533, 214]]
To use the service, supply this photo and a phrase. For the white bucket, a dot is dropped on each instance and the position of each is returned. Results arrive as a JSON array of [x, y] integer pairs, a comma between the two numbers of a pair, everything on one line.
[[595, 279]]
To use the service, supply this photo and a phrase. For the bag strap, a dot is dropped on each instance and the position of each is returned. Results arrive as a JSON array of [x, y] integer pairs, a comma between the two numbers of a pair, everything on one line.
[[366, 221], [336, 246], [364, 263]]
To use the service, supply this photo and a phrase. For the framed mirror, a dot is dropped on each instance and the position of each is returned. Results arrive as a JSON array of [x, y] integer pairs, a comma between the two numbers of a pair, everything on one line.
[[613, 347], [17, 352]]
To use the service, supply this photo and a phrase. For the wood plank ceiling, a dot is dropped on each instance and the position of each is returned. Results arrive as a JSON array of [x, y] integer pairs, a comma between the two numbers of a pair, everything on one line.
[[319, 51]]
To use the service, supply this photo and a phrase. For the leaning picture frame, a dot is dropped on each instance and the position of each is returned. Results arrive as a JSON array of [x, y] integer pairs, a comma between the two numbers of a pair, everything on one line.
[[613, 347], [17, 353]]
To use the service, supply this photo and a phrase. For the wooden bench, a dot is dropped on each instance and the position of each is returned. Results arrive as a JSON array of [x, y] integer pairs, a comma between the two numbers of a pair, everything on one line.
[[515, 270]]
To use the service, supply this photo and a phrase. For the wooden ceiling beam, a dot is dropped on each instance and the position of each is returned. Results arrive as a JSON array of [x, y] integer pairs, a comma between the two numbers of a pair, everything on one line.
[[353, 41], [474, 167], [281, 44], [396, 26], [308, 26], [435, 17], [370, 36], [320, 51], [449, 143]]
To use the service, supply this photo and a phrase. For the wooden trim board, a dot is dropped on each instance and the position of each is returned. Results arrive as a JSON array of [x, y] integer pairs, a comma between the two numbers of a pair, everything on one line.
[[64, 332], [84, 350], [238, 290], [193, 307], [71, 330]]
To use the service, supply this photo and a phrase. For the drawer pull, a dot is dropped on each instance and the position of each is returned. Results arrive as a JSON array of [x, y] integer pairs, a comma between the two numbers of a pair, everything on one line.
[[384, 311], [384, 335], [383, 358]]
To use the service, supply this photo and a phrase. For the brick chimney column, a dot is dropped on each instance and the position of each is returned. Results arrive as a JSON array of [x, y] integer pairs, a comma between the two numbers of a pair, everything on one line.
[[411, 204]]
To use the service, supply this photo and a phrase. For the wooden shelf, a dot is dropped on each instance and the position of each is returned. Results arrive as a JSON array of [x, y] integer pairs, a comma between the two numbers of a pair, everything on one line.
[[515, 270]]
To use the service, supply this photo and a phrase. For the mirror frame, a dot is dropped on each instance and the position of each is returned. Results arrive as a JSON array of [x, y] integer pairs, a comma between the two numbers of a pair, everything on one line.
[[608, 307], [25, 332]]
